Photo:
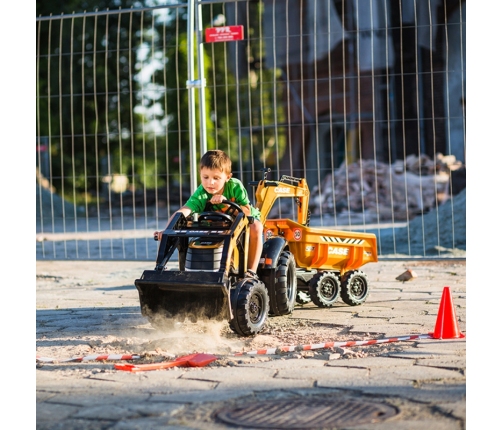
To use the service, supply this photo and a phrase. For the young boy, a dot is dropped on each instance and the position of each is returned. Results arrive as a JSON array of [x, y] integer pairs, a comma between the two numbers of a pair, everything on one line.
[[218, 185]]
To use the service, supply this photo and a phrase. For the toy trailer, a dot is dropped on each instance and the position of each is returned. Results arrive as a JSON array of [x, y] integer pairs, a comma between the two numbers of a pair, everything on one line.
[[327, 261]]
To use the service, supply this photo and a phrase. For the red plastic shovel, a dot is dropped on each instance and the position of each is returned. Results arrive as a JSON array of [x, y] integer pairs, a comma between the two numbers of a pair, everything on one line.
[[192, 360]]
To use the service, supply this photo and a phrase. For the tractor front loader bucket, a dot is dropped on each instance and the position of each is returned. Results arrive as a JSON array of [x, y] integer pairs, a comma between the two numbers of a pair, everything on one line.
[[178, 294], [200, 289]]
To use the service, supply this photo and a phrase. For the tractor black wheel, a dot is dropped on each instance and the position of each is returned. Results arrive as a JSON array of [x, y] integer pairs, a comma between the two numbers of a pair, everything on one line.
[[303, 297], [250, 309], [324, 289], [281, 284], [355, 288]]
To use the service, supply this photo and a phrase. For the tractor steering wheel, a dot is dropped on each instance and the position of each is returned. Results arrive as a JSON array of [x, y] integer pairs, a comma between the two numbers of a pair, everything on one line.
[[233, 208], [227, 216]]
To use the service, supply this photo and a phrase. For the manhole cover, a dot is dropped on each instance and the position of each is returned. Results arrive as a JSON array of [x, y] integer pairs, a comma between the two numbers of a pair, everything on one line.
[[306, 413]]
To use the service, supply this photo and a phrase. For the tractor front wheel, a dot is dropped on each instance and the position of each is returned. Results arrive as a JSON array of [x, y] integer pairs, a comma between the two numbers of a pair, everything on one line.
[[250, 309]]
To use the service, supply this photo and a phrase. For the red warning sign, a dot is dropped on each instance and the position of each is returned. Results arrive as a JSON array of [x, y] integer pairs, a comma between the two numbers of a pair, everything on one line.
[[224, 34], [297, 234]]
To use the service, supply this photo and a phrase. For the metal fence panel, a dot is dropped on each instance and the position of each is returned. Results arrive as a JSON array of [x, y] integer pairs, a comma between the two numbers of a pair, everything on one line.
[[365, 99]]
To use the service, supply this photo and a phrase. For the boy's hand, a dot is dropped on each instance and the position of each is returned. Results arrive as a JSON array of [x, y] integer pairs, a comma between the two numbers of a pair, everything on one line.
[[217, 199], [157, 235]]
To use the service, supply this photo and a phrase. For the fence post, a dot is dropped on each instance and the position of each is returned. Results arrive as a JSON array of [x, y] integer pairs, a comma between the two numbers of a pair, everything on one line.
[[202, 95], [192, 84], [191, 96]]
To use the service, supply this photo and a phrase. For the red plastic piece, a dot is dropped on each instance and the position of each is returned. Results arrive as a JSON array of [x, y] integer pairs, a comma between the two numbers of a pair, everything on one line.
[[192, 360], [201, 360]]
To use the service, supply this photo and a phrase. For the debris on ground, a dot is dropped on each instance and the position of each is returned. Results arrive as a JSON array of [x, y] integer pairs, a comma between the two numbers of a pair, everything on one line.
[[408, 275]]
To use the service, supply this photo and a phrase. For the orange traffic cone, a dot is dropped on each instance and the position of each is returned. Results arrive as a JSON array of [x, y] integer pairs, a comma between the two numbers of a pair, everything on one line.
[[446, 323]]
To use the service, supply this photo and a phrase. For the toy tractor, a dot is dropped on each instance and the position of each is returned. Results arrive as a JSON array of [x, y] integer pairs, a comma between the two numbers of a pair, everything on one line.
[[297, 263]]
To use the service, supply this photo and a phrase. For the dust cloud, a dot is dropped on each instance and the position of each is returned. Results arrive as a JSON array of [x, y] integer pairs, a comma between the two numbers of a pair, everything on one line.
[[168, 338]]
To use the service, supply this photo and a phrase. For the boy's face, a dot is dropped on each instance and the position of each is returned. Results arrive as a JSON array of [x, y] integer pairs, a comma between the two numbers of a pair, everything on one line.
[[213, 180]]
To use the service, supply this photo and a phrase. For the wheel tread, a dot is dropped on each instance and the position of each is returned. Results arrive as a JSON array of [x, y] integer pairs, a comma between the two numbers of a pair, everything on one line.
[[314, 289], [281, 303], [241, 323], [346, 290]]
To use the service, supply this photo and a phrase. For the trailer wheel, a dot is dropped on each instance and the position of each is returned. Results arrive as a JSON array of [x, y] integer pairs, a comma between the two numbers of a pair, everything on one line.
[[302, 297], [251, 308], [355, 288], [281, 284], [324, 289]]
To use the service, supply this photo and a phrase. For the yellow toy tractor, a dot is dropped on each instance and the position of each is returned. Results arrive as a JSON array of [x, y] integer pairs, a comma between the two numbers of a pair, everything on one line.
[[298, 264]]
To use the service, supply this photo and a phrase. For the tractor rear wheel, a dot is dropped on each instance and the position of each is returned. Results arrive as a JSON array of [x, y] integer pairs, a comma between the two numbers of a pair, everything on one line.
[[251, 308], [281, 284], [324, 289], [355, 288]]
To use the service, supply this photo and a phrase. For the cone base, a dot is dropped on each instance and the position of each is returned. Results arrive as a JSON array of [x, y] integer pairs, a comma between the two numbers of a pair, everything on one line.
[[459, 336]]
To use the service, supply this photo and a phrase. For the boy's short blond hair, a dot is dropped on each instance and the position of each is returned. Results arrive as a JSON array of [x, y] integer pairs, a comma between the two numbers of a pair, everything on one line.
[[216, 159]]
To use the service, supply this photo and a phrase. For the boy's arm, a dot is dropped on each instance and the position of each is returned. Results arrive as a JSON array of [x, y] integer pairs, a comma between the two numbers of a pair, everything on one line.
[[246, 209], [185, 210]]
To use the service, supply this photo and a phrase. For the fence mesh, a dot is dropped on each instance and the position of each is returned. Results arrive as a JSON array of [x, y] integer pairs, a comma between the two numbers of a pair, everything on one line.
[[364, 99]]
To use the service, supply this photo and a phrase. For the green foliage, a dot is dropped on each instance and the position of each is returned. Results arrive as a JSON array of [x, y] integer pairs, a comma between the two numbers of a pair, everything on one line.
[[112, 97]]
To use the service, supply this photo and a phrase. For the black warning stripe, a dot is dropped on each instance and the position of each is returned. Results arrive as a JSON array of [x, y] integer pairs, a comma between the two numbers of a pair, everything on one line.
[[346, 241]]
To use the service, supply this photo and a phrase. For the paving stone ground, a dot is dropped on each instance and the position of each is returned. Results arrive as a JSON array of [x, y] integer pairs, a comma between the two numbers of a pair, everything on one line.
[[91, 307]]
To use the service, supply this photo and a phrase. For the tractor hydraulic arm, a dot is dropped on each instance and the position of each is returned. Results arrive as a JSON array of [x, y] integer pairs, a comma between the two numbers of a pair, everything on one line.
[[268, 191]]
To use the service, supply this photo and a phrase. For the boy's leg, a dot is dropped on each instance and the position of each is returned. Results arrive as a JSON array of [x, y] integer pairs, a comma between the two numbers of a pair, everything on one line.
[[255, 245]]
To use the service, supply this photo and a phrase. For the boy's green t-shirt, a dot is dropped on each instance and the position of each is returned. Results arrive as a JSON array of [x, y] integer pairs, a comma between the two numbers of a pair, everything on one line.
[[234, 191]]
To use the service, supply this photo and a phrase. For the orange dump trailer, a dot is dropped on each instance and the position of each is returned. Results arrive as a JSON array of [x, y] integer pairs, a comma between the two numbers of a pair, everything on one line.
[[327, 262]]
